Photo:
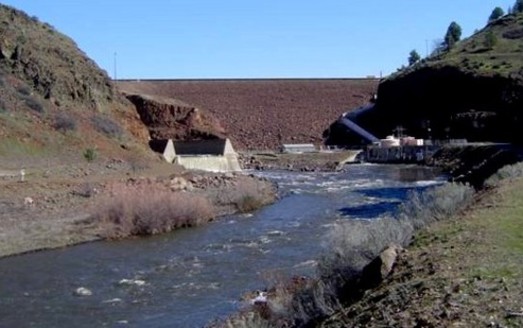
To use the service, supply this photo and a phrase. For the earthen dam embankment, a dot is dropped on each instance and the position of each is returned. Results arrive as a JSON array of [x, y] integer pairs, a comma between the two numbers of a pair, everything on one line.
[[266, 113]]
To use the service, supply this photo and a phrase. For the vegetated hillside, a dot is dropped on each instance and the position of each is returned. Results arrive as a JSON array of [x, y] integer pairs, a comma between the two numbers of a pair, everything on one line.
[[53, 98], [263, 114], [473, 91]]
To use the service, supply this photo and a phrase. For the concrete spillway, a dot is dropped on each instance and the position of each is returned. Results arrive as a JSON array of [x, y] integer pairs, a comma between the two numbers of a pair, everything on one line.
[[358, 129]]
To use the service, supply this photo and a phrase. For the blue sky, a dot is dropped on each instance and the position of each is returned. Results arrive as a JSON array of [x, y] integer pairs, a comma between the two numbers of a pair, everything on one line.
[[256, 38]]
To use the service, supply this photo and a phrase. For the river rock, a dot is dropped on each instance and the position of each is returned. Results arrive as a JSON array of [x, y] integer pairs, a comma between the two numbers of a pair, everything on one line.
[[28, 201], [379, 268], [82, 291], [179, 184]]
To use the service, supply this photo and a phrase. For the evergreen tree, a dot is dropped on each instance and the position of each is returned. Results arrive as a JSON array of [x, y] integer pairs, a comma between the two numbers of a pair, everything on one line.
[[518, 7], [496, 13], [414, 57], [490, 40], [453, 35]]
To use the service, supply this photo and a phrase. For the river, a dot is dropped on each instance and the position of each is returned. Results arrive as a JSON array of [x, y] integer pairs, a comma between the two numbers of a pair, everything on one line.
[[189, 277]]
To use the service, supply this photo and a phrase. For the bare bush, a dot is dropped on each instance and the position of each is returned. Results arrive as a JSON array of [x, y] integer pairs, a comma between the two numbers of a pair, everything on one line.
[[23, 90], [145, 212], [435, 204], [64, 122], [32, 103], [248, 195], [3, 106], [107, 126], [513, 171], [85, 190]]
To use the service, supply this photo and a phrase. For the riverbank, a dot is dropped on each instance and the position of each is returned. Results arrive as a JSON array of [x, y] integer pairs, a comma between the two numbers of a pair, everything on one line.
[[301, 162], [51, 205], [461, 266], [464, 271]]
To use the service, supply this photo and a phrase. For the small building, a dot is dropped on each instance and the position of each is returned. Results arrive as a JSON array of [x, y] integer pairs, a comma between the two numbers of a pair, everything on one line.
[[411, 141], [389, 141], [216, 155], [298, 148]]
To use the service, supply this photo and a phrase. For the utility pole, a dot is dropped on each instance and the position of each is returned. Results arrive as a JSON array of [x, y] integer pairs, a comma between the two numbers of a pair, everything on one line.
[[399, 131], [115, 77]]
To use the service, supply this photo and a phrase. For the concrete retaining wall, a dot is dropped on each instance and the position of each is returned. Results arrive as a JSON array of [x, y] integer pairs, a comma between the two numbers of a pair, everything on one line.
[[225, 163]]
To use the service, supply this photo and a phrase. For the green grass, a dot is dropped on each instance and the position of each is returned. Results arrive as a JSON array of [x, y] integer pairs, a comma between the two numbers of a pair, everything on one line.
[[510, 221], [476, 55], [10, 146], [501, 230]]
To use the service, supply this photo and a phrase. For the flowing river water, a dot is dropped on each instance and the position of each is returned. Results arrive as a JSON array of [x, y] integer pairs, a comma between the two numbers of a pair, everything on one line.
[[189, 277]]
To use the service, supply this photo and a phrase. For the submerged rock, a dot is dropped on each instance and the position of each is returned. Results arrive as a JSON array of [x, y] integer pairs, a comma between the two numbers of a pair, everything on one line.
[[131, 282], [82, 291]]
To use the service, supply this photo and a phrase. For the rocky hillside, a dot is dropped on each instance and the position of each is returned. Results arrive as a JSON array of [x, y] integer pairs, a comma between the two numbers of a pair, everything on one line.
[[263, 114], [53, 98], [473, 91]]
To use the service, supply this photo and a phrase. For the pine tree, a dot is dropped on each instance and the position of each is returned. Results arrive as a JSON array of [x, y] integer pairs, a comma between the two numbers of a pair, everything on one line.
[[496, 13], [453, 35], [518, 7], [414, 57]]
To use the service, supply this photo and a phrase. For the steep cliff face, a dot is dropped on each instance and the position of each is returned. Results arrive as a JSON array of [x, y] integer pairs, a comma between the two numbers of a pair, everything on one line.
[[168, 118]]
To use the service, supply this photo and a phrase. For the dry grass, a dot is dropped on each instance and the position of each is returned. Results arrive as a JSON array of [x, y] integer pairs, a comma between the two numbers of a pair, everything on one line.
[[130, 212]]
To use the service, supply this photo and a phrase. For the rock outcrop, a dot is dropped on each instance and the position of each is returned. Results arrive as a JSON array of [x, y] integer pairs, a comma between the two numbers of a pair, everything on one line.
[[48, 83], [50, 63], [168, 118]]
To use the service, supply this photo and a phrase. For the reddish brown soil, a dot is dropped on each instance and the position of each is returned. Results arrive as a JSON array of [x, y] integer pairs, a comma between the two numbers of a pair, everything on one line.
[[263, 114]]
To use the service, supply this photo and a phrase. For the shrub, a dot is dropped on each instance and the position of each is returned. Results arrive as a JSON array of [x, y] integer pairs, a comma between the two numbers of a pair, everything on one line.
[[513, 171], [106, 126], [3, 106], [33, 103], [248, 203], [137, 164], [146, 212], [435, 204], [64, 122], [24, 90], [85, 190], [248, 195], [90, 154]]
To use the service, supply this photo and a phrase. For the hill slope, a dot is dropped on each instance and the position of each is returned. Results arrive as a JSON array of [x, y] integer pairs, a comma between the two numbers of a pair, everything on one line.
[[473, 91], [53, 98]]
